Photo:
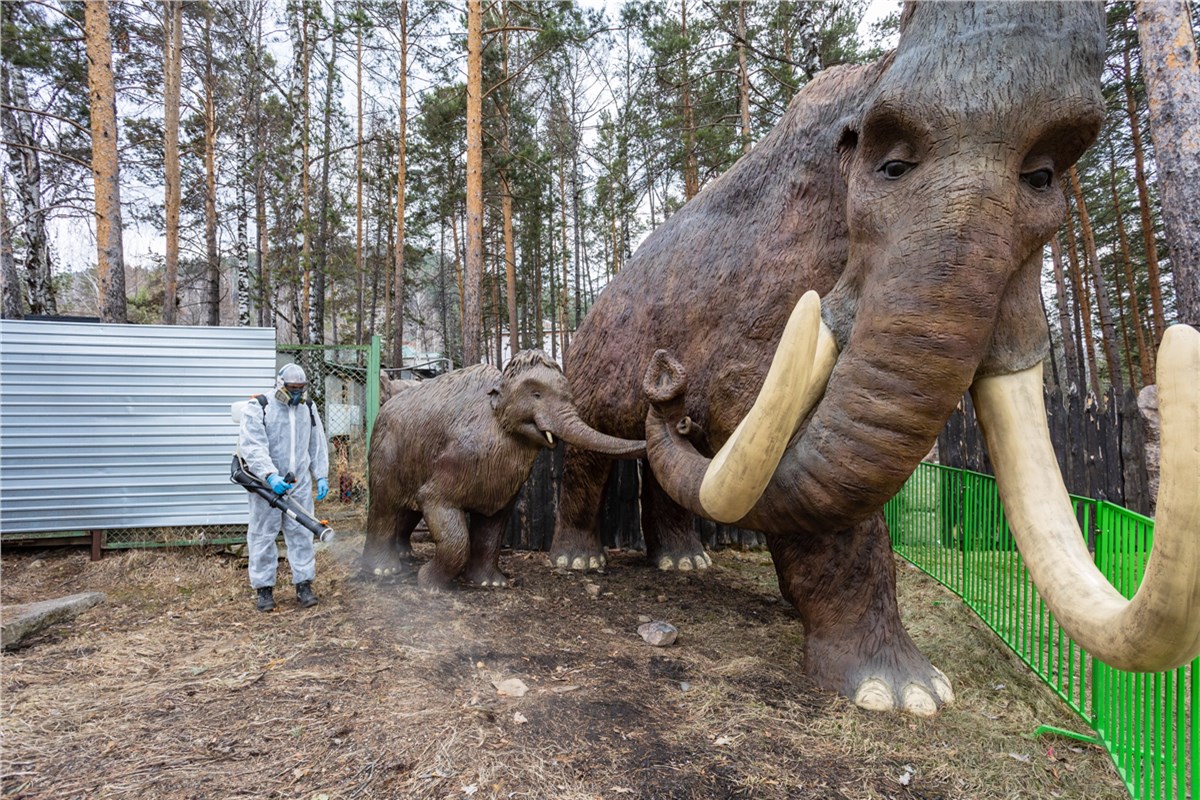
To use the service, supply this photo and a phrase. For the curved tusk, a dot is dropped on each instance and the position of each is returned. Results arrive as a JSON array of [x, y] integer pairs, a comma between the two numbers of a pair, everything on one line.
[[740, 472], [1159, 629], [549, 437]]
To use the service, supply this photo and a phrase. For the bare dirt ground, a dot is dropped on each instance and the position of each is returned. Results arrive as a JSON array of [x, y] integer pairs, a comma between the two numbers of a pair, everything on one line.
[[176, 688]]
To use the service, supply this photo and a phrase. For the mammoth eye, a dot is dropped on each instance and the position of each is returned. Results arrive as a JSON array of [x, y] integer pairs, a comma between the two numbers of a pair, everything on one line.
[[1039, 179], [537, 395], [895, 169]]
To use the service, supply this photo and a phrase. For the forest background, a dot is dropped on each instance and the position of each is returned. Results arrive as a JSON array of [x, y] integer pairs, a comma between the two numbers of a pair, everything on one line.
[[465, 180]]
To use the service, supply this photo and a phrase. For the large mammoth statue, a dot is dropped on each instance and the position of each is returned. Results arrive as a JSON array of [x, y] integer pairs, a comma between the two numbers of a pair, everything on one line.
[[887, 236], [456, 449]]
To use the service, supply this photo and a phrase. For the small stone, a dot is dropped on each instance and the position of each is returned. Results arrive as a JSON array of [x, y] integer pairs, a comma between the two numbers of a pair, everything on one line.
[[659, 634], [592, 589], [684, 686], [662, 598], [642, 618], [511, 687]]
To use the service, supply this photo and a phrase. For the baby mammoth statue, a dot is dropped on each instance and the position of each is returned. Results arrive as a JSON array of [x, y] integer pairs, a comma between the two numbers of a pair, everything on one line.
[[456, 450]]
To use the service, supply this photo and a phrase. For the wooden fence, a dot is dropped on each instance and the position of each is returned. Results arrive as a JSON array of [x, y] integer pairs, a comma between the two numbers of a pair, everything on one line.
[[532, 524], [1100, 446]]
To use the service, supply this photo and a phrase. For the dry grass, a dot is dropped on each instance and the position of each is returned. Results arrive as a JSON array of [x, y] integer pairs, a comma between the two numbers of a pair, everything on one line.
[[176, 688]]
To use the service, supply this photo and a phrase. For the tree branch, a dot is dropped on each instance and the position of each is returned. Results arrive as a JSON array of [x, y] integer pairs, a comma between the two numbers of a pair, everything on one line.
[[72, 123], [64, 156]]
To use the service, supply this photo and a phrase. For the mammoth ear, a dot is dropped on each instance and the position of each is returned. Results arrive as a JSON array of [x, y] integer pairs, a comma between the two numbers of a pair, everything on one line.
[[846, 147], [494, 393]]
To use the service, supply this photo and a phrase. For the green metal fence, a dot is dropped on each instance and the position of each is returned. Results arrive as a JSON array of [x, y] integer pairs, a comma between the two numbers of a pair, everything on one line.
[[950, 523], [344, 384]]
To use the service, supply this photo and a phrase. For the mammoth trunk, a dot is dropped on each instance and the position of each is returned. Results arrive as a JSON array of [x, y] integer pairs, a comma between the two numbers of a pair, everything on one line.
[[887, 398], [567, 425]]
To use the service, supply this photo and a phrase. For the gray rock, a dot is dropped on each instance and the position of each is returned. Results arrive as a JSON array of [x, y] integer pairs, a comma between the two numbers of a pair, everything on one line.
[[644, 618], [29, 618], [659, 634]]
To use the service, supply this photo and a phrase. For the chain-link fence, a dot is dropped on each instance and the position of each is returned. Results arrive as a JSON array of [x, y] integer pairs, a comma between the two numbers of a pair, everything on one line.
[[344, 385]]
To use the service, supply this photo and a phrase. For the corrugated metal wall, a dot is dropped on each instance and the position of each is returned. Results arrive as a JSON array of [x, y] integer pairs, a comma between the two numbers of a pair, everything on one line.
[[123, 426]]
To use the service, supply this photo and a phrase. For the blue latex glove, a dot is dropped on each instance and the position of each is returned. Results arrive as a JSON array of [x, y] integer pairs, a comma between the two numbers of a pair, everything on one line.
[[322, 488], [278, 484]]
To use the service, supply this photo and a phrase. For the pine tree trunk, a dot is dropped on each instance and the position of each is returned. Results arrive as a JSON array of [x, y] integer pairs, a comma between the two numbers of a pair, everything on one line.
[[172, 72], [1106, 322], [1083, 303], [691, 170], [1145, 356], [401, 157], [359, 267], [304, 321], [316, 316], [265, 298], [1172, 74], [1149, 240], [510, 255], [1070, 354], [743, 78], [110, 252], [566, 257], [242, 246], [472, 316], [212, 271]]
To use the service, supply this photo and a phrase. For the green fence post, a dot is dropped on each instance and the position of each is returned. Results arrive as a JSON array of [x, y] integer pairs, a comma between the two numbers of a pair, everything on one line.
[[372, 385]]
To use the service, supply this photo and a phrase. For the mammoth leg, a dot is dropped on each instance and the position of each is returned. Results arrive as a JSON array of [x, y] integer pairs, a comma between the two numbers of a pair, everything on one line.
[[576, 538], [388, 532], [448, 527], [487, 536], [843, 583], [669, 528]]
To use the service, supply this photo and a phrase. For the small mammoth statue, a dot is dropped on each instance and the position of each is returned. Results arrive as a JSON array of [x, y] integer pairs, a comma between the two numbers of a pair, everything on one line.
[[456, 450]]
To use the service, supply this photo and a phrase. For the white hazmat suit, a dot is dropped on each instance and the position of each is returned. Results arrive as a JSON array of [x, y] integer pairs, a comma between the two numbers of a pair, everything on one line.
[[282, 438]]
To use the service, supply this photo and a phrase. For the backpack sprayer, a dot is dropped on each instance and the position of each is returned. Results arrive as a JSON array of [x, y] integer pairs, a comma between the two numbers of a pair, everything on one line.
[[255, 485]]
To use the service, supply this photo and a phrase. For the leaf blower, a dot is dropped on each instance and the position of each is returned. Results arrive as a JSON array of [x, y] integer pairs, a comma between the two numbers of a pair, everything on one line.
[[252, 483]]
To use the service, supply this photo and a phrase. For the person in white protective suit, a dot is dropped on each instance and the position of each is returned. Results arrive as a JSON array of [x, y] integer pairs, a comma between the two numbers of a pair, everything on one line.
[[283, 441]]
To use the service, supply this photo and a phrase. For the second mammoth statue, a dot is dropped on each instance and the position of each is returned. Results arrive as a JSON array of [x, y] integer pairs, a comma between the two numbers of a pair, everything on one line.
[[456, 449]]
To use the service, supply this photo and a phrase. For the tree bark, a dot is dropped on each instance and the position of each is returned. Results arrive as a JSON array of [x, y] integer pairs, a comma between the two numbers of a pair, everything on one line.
[[1106, 321], [743, 78], [1145, 357], [1172, 75], [358, 178], [1070, 355], [1149, 239], [172, 74], [110, 253], [316, 316], [472, 318], [212, 272], [1079, 286], [401, 158], [506, 205], [691, 170]]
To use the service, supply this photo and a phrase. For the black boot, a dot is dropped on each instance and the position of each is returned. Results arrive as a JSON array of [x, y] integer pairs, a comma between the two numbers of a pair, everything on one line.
[[305, 594], [266, 599]]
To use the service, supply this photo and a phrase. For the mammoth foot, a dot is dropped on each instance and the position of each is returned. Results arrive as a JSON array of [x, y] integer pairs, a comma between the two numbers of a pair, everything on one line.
[[488, 576], [578, 558], [896, 677], [382, 566], [921, 696], [683, 562]]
